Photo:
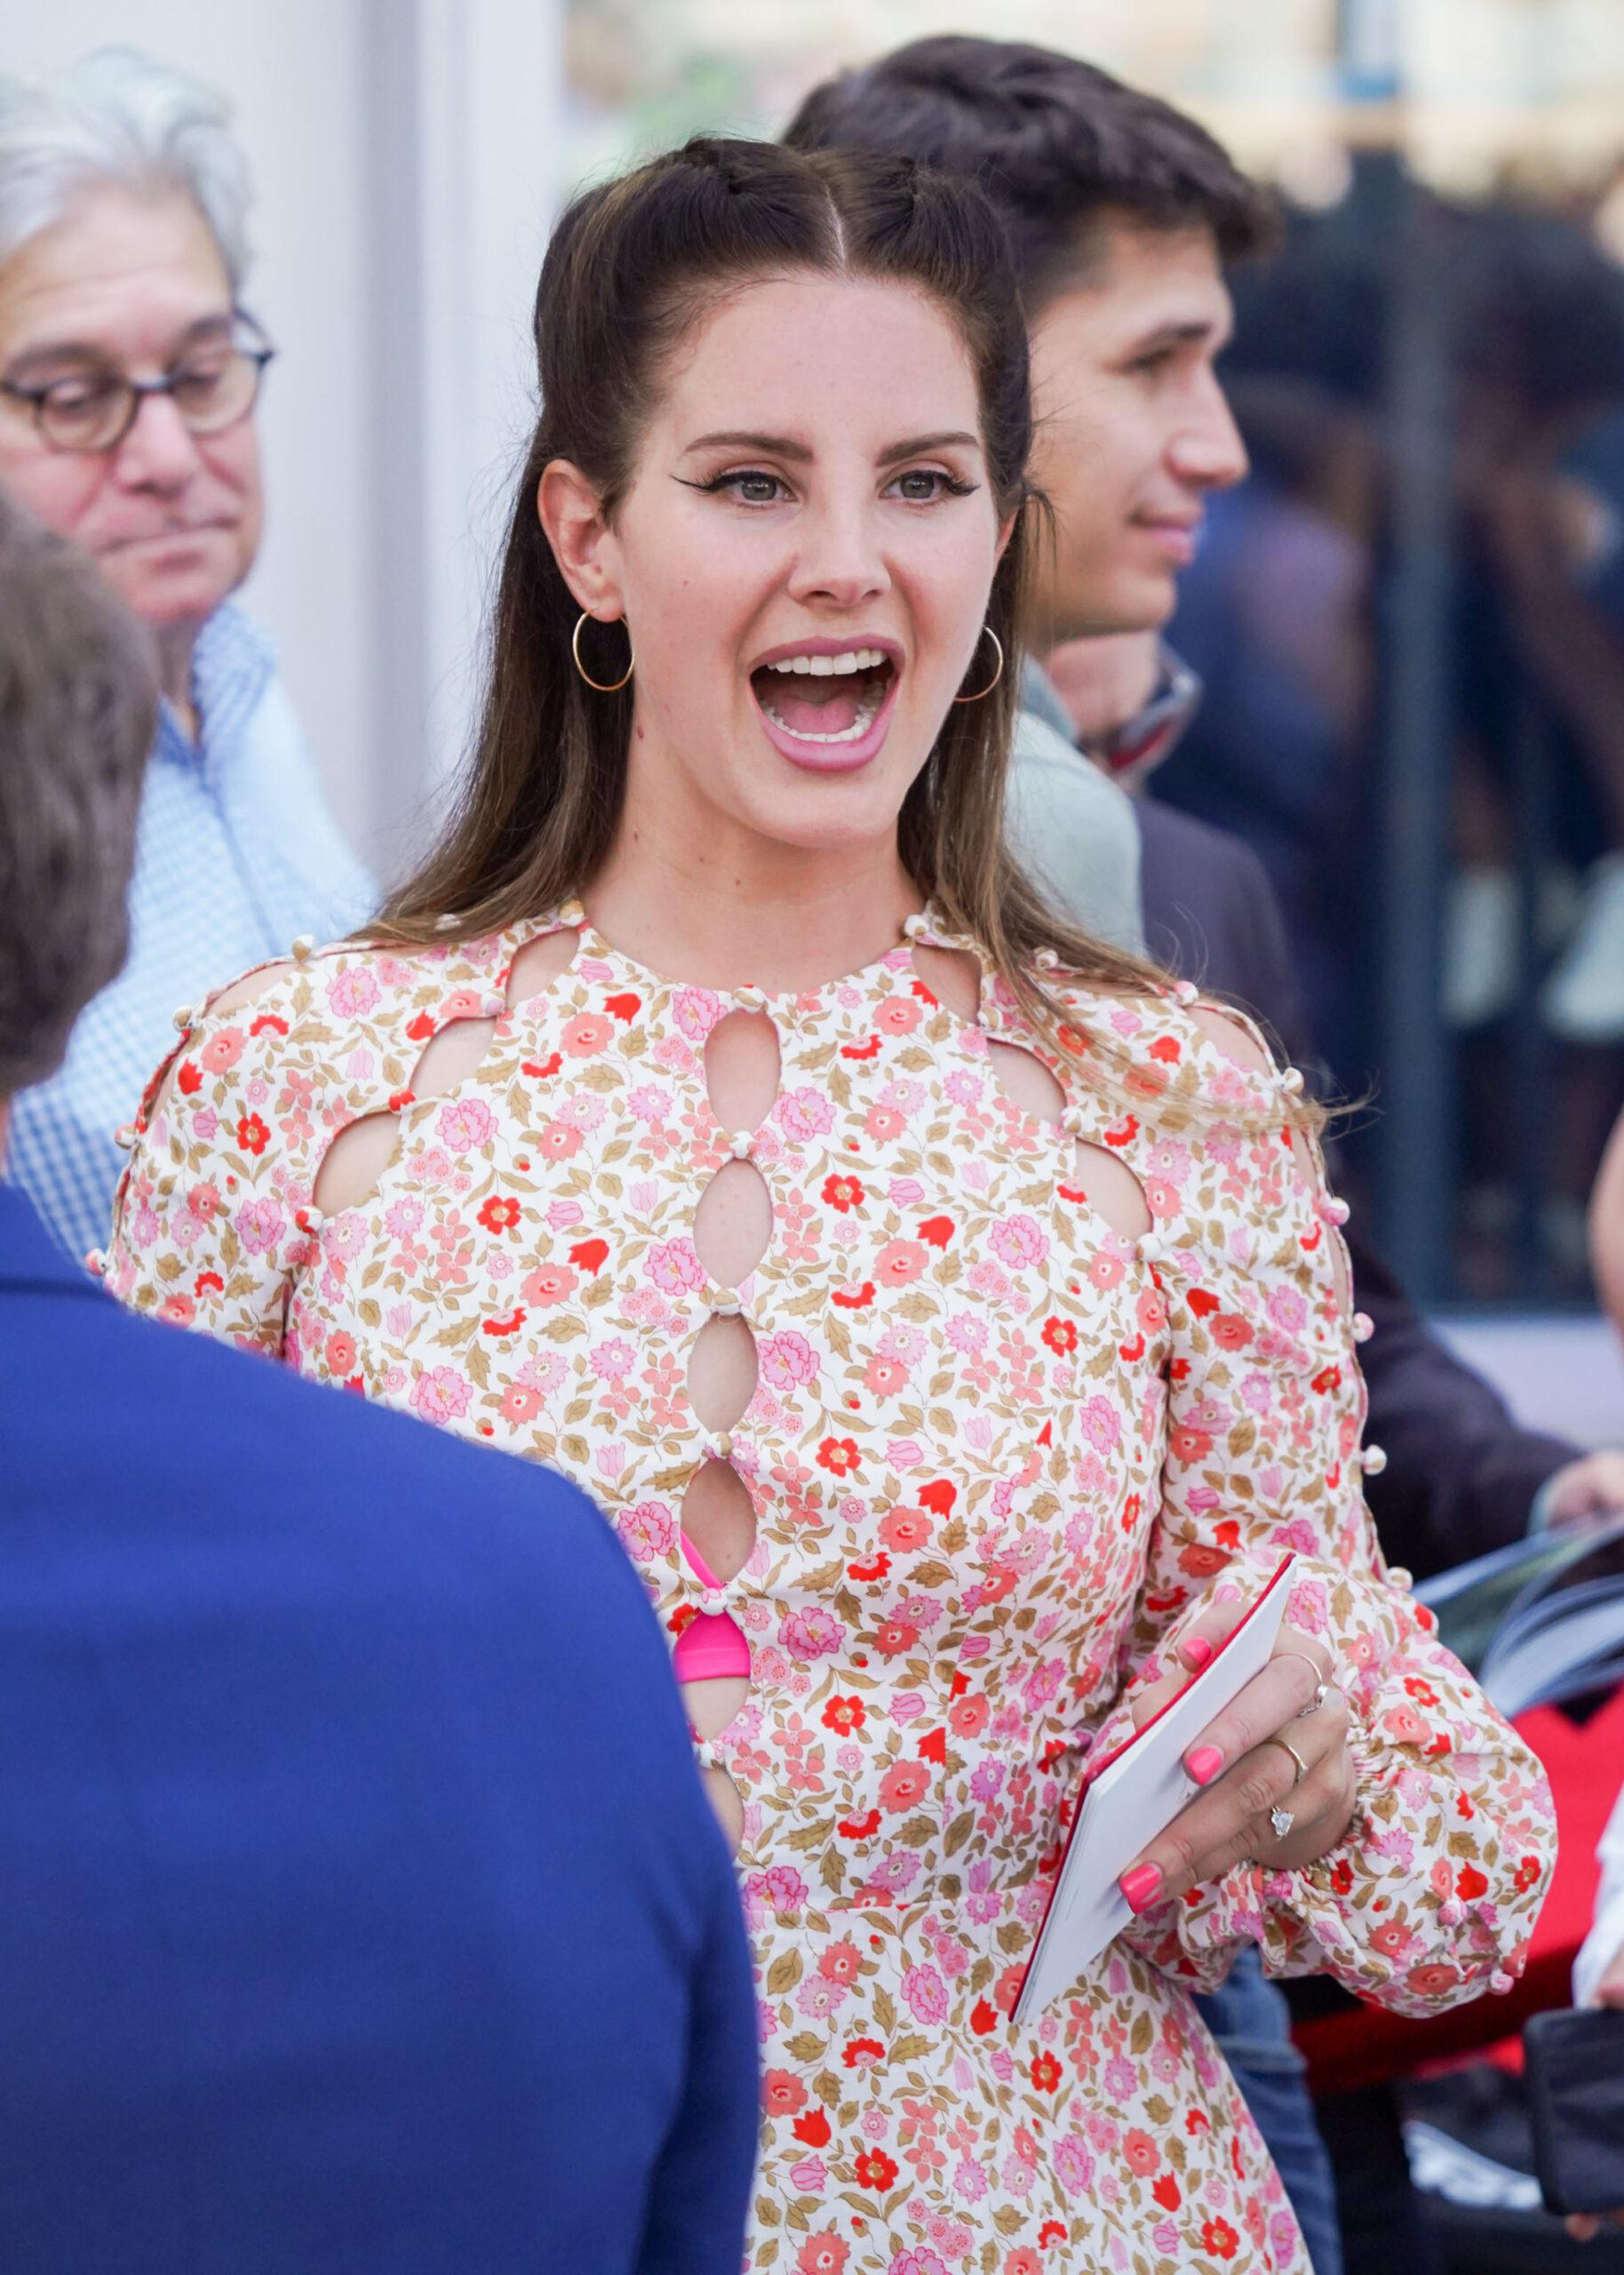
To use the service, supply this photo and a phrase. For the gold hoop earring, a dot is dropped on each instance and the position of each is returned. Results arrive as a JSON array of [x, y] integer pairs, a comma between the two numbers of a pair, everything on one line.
[[982, 691], [607, 687]]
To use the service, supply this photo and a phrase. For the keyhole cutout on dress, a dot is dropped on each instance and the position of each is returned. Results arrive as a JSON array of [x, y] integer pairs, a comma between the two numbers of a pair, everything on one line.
[[732, 1224], [358, 1157], [1109, 1187]]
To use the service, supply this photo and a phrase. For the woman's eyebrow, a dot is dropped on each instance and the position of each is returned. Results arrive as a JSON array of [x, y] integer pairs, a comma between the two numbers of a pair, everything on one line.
[[777, 446], [919, 445]]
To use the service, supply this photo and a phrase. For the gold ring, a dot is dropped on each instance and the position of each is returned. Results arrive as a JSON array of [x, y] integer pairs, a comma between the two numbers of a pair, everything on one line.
[[1322, 1681], [1301, 1770]]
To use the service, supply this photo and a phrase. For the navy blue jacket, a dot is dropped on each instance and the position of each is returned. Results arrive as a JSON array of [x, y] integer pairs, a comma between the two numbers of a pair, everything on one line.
[[360, 1908]]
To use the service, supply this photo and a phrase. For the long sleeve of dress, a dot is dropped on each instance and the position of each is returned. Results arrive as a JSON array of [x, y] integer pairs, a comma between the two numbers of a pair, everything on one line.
[[1431, 1896]]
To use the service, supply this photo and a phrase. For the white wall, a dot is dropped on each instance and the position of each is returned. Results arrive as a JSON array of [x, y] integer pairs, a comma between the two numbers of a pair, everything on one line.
[[399, 151]]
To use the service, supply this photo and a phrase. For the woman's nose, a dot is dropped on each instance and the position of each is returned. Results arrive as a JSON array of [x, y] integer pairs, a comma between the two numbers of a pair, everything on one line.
[[840, 561]]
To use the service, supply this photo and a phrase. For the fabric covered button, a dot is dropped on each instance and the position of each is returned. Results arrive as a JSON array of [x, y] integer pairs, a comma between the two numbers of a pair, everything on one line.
[[726, 1307], [303, 947], [740, 1143], [722, 1446], [572, 913], [751, 997], [915, 928], [184, 1018], [1047, 960], [714, 1603], [1148, 1245], [1364, 1327], [1399, 1576], [1185, 991], [96, 1262], [1291, 1081], [1373, 1461], [1332, 1210], [124, 1136]]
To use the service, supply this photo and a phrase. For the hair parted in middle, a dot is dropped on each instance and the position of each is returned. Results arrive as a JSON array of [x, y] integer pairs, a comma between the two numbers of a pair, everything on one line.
[[632, 268]]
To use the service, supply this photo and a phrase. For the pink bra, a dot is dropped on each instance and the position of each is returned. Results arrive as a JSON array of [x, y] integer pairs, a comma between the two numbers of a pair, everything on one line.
[[713, 1643]]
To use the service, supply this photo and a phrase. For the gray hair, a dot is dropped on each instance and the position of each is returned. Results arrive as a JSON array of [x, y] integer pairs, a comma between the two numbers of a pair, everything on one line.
[[117, 117], [79, 709]]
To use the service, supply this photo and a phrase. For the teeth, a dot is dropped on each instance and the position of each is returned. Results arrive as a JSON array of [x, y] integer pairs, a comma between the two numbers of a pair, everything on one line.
[[868, 710], [854, 660]]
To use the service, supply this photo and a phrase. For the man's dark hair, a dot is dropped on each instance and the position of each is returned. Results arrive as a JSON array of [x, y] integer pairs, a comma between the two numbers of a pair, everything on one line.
[[78, 705], [1059, 147]]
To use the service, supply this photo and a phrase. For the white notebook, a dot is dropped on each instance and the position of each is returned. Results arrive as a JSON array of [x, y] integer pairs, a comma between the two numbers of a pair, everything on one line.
[[1130, 1797]]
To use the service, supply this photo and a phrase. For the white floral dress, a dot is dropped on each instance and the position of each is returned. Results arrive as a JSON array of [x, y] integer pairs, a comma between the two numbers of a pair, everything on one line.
[[998, 1454]]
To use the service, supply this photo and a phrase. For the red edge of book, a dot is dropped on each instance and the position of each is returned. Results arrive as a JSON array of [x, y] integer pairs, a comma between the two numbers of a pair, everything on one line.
[[1092, 1768]]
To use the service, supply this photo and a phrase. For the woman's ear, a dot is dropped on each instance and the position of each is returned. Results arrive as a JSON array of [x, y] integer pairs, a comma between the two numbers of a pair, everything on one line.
[[571, 515]]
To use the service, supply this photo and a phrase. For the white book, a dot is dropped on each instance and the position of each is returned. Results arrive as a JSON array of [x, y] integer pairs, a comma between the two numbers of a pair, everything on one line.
[[1131, 1796]]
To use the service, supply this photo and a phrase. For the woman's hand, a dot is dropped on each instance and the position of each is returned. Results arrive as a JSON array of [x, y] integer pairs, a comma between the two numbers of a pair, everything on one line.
[[1243, 1763]]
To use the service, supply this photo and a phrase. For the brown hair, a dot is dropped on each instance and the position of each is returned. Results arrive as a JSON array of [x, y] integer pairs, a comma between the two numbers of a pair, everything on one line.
[[78, 708], [1059, 146], [632, 266]]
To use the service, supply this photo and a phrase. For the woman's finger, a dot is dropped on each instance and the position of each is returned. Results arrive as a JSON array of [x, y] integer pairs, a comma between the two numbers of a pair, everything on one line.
[[1279, 1692], [1193, 1651]]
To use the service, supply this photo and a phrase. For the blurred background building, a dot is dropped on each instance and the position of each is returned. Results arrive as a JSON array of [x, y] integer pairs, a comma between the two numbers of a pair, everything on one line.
[[1411, 619]]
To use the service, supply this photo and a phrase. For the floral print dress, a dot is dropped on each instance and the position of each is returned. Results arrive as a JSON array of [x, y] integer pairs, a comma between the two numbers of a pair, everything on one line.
[[999, 1456]]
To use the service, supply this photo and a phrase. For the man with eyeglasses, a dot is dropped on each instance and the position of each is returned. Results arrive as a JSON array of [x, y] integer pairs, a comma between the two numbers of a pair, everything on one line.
[[129, 376]]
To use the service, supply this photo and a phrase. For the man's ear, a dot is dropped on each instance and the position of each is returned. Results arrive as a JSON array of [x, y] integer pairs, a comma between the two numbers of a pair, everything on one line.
[[583, 544]]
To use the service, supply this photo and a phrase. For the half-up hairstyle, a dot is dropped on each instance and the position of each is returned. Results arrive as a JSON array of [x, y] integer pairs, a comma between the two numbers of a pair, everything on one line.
[[631, 267]]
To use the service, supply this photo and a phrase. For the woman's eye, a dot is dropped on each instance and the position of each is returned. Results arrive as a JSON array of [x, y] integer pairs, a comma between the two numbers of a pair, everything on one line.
[[924, 485], [755, 488]]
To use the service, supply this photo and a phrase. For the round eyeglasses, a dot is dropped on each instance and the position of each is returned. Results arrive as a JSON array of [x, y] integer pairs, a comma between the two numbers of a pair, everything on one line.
[[94, 408]]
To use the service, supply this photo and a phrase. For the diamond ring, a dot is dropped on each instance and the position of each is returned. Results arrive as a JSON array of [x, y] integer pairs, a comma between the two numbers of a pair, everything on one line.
[[1282, 1821]]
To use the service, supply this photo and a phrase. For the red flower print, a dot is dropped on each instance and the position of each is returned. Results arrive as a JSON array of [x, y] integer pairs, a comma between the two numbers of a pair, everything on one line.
[[900, 1261], [252, 1135], [1326, 1380], [838, 1963], [862, 2052], [1141, 2151], [1166, 1049], [189, 1078], [938, 1497], [1470, 1883], [813, 2129], [1045, 2072], [1051, 2231], [500, 1213], [844, 1715], [538, 1070], [936, 1230], [1022, 2260], [983, 2017], [1527, 1873], [268, 1022], [904, 1529], [859, 1828], [874, 1569], [1433, 1977], [590, 1255], [903, 1787], [824, 2255], [521, 1403], [895, 1637], [869, 1050], [783, 2095], [839, 1456], [508, 1326], [1203, 1303], [967, 1717], [1230, 1331], [1061, 1336], [1341, 1877], [624, 1008], [844, 1193], [340, 1353], [1166, 2193], [853, 1298], [208, 1283], [1220, 2238], [421, 1027], [875, 2170], [896, 1015], [933, 1747]]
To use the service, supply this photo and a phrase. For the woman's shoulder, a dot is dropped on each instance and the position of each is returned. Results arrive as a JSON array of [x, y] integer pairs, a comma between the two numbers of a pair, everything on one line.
[[1170, 1048]]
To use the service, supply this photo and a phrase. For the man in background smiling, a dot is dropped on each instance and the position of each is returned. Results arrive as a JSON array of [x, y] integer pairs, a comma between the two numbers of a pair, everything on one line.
[[129, 378]]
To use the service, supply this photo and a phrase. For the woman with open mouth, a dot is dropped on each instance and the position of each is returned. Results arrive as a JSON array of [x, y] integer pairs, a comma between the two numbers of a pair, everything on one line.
[[948, 1313]]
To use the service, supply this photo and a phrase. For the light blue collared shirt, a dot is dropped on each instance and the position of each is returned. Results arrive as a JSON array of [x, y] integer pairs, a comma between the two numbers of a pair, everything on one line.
[[235, 855]]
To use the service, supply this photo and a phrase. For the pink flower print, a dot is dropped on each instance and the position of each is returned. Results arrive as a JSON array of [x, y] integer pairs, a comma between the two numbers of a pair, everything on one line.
[[583, 1112], [900, 1261], [1161, 1198], [780, 1888], [403, 1218], [674, 1267], [259, 1225], [466, 1124], [222, 1051], [820, 1999], [1017, 1241], [612, 1361], [916, 2263], [520, 1404], [1102, 1423], [352, 991], [839, 1963], [990, 1280], [646, 1531], [647, 1102], [787, 1361], [810, 1634], [1073, 2166], [696, 1011], [898, 1015], [903, 1787], [966, 1332], [904, 1529], [1287, 1310], [885, 1377], [925, 1994], [558, 1140], [440, 1395], [203, 1201], [461, 1004], [883, 1123], [551, 1283], [804, 1113], [1105, 1273], [585, 1036], [179, 1309]]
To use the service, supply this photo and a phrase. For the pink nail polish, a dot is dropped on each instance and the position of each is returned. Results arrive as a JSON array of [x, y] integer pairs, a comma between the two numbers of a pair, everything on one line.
[[1139, 1886], [1197, 1651], [1204, 1764]]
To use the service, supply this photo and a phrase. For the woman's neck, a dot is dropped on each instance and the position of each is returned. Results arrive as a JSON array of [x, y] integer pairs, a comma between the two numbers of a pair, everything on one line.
[[719, 908]]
